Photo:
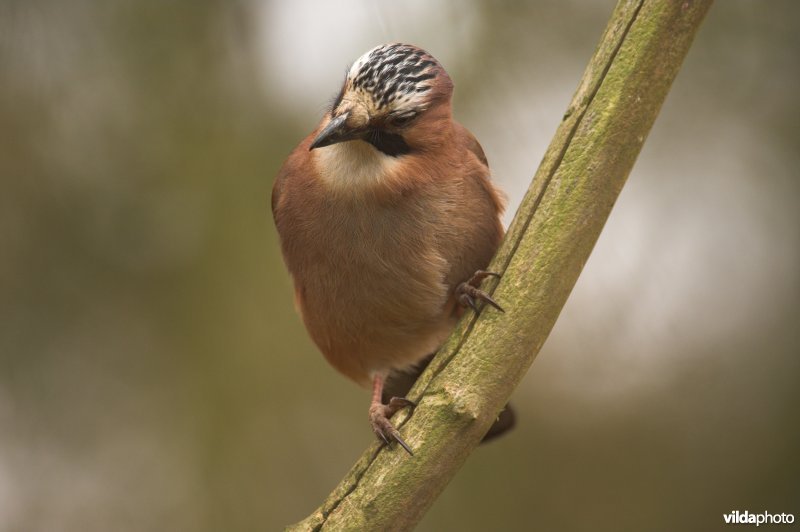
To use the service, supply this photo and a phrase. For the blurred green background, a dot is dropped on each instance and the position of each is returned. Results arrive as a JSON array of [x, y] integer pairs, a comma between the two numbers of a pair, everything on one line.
[[153, 373]]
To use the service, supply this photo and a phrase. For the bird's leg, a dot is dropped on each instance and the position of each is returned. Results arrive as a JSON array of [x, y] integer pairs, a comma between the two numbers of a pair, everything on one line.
[[468, 292], [380, 413]]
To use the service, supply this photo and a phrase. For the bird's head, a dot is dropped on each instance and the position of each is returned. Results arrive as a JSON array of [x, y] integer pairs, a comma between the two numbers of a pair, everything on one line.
[[388, 93]]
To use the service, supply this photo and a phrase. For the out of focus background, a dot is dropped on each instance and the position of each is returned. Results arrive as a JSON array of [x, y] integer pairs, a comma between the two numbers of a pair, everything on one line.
[[154, 375]]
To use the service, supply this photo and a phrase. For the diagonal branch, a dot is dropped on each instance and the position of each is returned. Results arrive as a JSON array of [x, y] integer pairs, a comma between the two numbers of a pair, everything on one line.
[[549, 241]]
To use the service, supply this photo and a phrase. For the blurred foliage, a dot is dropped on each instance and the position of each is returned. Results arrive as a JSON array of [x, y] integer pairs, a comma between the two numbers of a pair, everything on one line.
[[154, 376]]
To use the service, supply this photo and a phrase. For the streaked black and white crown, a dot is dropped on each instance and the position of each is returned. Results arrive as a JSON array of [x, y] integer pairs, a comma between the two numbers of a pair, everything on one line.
[[394, 75]]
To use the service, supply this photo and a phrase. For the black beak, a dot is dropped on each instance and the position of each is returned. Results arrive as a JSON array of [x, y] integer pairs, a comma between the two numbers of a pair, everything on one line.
[[336, 131]]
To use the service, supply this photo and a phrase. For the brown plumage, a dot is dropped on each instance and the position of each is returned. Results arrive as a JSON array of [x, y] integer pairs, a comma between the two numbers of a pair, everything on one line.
[[384, 212]]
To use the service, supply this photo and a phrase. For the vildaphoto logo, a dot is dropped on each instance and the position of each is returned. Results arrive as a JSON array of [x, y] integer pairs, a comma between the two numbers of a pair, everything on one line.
[[765, 518]]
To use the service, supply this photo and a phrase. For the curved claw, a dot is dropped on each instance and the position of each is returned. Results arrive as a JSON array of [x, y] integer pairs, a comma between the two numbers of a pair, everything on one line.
[[486, 297], [468, 295], [382, 436], [399, 440], [379, 415], [468, 291], [396, 403]]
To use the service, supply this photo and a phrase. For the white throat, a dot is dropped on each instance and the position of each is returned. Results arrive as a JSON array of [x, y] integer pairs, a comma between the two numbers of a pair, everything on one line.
[[352, 164]]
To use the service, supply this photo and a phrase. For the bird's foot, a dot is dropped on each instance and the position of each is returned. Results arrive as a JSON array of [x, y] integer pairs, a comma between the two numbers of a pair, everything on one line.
[[468, 292], [379, 415]]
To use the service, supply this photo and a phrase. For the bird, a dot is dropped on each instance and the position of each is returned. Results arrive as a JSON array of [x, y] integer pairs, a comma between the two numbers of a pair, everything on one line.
[[388, 219]]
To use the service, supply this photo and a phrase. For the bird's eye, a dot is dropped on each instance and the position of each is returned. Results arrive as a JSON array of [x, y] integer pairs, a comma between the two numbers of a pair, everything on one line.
[[402, 120]]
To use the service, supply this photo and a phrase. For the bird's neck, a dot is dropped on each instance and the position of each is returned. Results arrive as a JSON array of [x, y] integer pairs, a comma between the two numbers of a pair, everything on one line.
[[354, 165]]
